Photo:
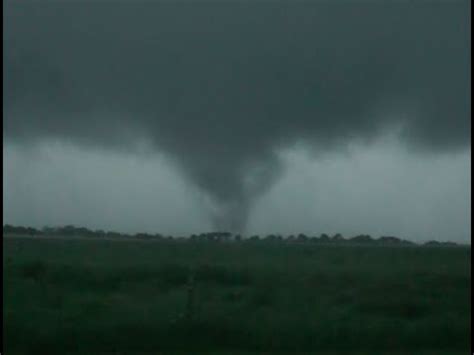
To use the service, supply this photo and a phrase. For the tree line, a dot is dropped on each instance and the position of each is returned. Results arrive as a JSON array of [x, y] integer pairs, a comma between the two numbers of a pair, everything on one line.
[[73, 231]]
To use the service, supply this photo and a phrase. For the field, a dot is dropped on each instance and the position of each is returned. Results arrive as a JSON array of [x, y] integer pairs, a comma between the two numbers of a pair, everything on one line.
[[89, 296]]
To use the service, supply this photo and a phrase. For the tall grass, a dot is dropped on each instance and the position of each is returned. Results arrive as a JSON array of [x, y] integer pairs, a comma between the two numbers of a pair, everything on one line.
[[93, 297]]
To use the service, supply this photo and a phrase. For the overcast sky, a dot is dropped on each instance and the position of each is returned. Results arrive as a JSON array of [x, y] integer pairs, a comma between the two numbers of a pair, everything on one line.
[[284, 117]]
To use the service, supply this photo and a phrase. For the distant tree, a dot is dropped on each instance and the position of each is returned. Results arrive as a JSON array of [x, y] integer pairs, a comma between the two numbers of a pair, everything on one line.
[[338, 237], [49, 230], [32, 231], [8, 229], [84, 232], [113, 235], [270, 238], [13, 229], [99, 233], [450, 244], [143, 236], [20, 230], [432, 243], [324, 238], [362, 238], [212, 236], [68, 230], [389, 240], [238, 238], [225, 236], [302, 238]]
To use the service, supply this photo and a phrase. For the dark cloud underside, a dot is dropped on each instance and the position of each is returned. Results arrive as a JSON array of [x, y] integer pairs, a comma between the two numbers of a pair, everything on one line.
[[221, 87]]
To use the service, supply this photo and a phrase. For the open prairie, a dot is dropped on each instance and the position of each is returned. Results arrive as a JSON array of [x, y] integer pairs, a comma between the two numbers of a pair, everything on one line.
[[95, 296]]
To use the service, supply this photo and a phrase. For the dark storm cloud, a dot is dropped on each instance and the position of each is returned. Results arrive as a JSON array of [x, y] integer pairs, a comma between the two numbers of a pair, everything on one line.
[[221, 87]]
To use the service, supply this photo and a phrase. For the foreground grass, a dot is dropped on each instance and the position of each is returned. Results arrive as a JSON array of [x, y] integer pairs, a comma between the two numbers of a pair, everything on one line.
[[128, 297]]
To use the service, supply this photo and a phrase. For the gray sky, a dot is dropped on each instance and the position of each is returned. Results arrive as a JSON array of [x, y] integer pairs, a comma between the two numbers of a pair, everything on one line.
[[344, 116]]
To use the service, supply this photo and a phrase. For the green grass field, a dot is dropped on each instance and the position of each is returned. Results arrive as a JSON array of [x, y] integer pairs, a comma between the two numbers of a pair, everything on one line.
[[89, 296]]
